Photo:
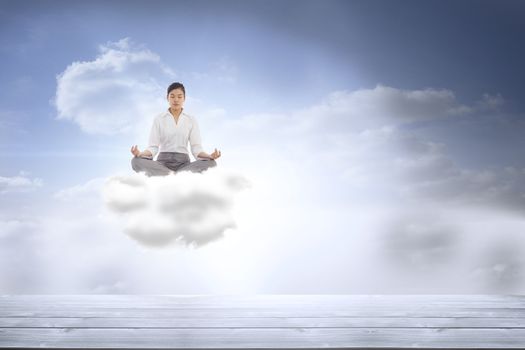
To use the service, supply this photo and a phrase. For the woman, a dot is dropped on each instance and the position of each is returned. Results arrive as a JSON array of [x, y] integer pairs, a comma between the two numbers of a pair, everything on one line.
[[171, 132]]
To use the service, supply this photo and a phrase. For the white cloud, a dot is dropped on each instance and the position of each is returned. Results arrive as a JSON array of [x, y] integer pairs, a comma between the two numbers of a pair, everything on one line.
[[411, 168], [361, 137], [19, 183], [501, 266], [339, 125], [15, 227], [498, 188], [400, 105], [92, 187], [371, 108], [420, 242], [19, 255], [188, 208], [114, 92]]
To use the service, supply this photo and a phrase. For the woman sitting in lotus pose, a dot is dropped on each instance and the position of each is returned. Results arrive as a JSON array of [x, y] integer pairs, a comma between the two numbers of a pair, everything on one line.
[[170, 133]]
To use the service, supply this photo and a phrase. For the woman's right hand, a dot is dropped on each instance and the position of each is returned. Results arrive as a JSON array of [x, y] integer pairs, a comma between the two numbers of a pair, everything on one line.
[[135, 151]]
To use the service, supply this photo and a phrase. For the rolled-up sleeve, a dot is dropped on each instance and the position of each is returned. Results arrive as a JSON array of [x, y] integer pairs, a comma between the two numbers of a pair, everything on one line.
[[154, 138], [195, 139]]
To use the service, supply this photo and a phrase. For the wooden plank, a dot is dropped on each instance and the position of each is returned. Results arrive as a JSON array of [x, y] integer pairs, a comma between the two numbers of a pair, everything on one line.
[[90, 306], [249, 313], [273, 322], [262, 301], [38, 305], [288, 300], [281, 338]]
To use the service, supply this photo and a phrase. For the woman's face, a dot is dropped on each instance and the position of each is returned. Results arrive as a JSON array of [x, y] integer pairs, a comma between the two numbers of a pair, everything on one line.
[[176, 98]]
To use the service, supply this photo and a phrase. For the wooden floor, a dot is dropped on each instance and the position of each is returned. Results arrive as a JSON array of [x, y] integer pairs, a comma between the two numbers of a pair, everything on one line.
[[262, 322]]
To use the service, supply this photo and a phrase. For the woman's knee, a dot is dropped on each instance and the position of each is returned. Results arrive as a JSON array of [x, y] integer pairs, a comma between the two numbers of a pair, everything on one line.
[[135, 163], [208, 163], [203, 165]]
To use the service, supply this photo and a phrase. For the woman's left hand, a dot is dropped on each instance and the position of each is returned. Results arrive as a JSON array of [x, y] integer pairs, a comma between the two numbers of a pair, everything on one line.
[[216, 154]]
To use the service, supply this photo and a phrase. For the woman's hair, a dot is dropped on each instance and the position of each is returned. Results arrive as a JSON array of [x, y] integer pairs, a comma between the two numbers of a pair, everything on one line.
[[176, 86]]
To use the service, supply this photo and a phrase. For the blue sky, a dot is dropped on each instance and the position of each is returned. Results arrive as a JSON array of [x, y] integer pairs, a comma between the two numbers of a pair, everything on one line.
[[393, 110]]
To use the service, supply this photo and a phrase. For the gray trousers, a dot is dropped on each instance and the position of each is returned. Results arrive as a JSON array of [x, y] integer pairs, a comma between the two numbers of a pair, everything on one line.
[[170, 162]]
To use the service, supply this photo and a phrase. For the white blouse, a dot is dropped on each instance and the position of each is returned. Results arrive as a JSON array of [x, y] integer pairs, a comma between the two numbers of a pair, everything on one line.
[[168, 136]]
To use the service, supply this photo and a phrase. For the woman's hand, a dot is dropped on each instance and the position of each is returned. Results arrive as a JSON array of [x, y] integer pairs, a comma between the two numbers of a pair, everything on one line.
[[135, 151], [216, 154]]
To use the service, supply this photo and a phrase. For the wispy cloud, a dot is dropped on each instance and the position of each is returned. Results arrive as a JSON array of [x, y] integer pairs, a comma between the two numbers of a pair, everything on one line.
[[19, 183], [389, 105], [92, 187]]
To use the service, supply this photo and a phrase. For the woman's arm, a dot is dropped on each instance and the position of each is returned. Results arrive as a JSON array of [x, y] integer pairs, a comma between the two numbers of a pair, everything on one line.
[[196, 144], [154, 140], [195, 141]]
